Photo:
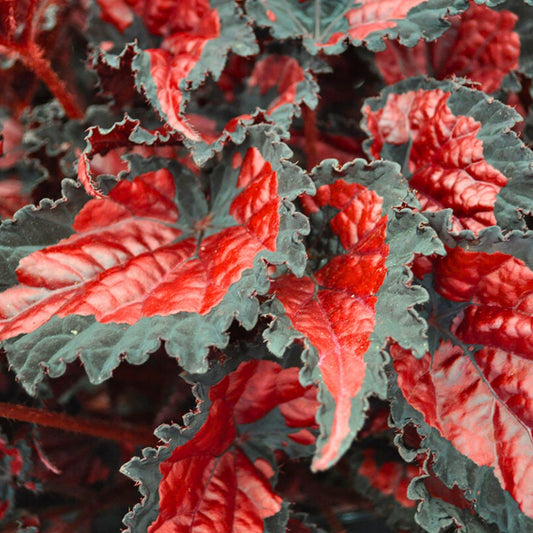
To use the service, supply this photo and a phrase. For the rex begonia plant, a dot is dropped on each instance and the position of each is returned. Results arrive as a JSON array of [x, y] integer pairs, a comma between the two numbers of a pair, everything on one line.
[[270, 262]]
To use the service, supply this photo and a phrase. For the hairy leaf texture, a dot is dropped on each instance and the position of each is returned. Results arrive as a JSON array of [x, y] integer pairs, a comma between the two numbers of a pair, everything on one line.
[[457, 150], [482, 45], [225, 486], [157, 247], [23, 29], [474, 387], [335, 305], [328, 25]]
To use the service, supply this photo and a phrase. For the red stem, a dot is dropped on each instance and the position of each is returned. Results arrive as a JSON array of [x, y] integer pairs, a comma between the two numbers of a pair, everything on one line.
[[311, 136], [142, 436], [33, 58]]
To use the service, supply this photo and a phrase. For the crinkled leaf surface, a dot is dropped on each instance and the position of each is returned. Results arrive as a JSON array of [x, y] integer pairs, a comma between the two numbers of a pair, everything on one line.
[[475, 387], [336, 306], [327, 25], [481, 45], [335, 312], [225, 486], [522, 12], [160, 256], [457, 149], [161, 17]]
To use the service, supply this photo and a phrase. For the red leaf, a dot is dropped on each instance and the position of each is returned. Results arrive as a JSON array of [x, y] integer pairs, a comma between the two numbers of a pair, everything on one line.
[[168, 71], [375, 15], [271, 386], [325, 26], [482, 403], [335, 308], [499, 288], [182, 49], [276, 84], [392, 478], [162, 17], [12, 197], [481, 45], [124, 262], [116, 12], [224, 487], [103, 146], [281, 72], [445, 158]]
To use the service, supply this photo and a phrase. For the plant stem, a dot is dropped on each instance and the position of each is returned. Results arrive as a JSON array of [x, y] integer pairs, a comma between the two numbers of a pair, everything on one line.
[[142, 436], [32, 57], [34, 60], [311, 136]]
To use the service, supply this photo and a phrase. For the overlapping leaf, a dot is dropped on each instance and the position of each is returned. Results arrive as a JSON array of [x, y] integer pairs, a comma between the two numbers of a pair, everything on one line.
[[157, 254], [193, 45], [481, 45], [384, 478], [333, 309], [440, 507], [344, 307], [194, 39], [127, 134], [474, 387], [388, 477], [276, 84], [328, 25], [229, 484], [457, 150]]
